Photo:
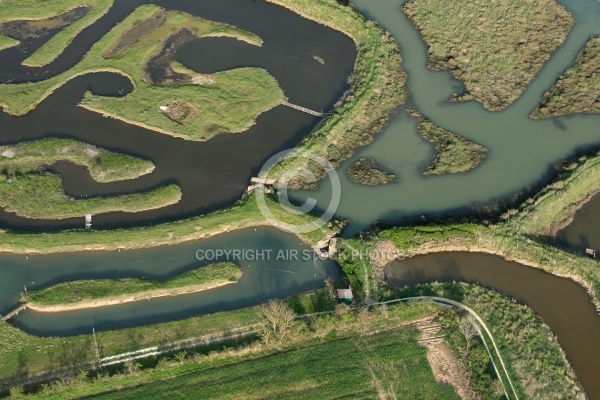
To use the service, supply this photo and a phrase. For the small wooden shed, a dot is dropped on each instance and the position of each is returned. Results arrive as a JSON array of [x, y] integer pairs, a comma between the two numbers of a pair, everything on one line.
[[345, 296]]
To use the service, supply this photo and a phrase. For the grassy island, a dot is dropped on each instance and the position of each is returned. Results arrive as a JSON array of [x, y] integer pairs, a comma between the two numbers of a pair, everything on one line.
[[104, 165], [41, 12], [29, 190], [577, 91], [227, 101], [495, 48], [366, 171], [105, 292], [41, 195], [377, 85], [454, 154]]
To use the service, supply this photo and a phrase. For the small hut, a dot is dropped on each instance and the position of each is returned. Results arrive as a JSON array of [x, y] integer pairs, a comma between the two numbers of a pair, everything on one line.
[[345, 296], [590, 252]]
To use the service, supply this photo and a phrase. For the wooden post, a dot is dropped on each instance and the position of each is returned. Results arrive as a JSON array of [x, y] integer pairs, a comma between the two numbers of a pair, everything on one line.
[[591, 252], [97, 349]]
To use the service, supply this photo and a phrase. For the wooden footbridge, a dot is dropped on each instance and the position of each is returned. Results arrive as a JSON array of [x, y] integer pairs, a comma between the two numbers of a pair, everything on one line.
[[303, 109], [15, 312]]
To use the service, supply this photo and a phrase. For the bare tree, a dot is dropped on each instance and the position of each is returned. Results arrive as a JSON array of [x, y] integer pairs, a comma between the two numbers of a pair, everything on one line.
[[278, 319], [465, 326]]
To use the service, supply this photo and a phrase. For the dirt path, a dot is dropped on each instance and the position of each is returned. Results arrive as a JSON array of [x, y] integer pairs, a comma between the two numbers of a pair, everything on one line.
[[446, 368]]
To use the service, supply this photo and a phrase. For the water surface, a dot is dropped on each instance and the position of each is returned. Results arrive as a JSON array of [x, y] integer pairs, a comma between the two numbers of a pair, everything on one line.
[[522, 150], [271, 274], [563, 304]]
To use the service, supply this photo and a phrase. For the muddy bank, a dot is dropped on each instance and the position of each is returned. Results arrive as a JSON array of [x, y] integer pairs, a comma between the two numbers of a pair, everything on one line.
[[35, 29], [158, 70], [134, 34], [112, 301]]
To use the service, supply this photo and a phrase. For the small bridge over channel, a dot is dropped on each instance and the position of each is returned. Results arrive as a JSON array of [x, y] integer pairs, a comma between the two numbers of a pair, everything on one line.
[[15, 312], [303, 109]]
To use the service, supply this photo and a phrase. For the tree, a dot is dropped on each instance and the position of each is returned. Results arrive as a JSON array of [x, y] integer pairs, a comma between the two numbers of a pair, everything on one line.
[[467, 328], [278, 319]]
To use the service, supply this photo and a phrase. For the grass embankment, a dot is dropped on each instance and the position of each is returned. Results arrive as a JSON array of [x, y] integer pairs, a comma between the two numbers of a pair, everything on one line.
[[494, 48], [104, 292], [328, 343], [577, 91], [367, 172], [229, 104], [11, 10], [23, 355], [6, 42], [534, 359], [42, 196], [33, 193], [104, 165], [454, 154], [520, 236], [377, 85], [245, 214]]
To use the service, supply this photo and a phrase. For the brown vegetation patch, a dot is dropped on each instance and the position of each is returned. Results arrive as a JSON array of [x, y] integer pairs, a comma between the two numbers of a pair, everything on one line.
[[367, 172], [34, 29], [454, 154], [134, 34], [444, 365], [495, 47], [158, 70], [577, 91], [178, 110]]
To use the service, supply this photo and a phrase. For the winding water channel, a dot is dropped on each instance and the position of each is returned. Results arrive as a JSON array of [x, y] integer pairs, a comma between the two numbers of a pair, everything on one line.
[[522, 150], [521, 153], [212, 174], [563, 304]]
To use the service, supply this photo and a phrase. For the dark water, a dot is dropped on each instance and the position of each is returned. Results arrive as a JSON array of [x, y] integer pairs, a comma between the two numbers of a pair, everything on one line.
[[270, 275], [584, 232], [212, 174], [563, 304]]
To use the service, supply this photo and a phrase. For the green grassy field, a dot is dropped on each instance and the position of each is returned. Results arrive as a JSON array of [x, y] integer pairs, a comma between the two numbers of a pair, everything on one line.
[[71, 293], [104, 165], [495, 48], [454, 154], [229, 104], [42, 196], [315, 348], [390, 363], [577, 91], [26, 355]]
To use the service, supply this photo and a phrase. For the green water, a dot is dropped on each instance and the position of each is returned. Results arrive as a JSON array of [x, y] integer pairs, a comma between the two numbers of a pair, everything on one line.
[[522, 150]]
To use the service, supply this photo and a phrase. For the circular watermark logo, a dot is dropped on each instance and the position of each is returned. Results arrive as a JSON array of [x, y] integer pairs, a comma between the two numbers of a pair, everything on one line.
[[315, 221]]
